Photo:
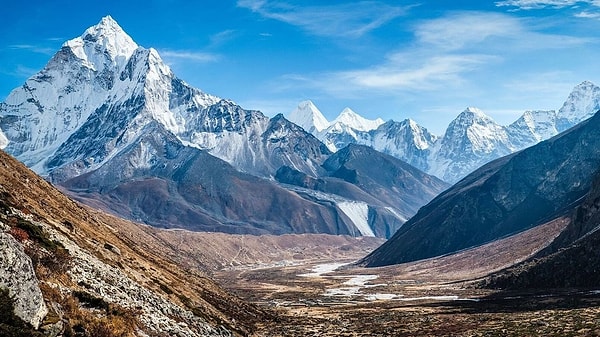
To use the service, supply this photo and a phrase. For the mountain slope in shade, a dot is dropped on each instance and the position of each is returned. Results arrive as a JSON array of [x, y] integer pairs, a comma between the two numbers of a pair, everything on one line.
[[574, 254], [384, 176], [506, 196], [159, 181], [97, 271], [381, 192]]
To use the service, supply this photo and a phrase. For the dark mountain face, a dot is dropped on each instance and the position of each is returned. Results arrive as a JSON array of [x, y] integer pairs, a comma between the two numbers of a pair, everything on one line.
[[572, 260], [381, 219], [392, 189], [387, 178], [507, 196], [159, 181]]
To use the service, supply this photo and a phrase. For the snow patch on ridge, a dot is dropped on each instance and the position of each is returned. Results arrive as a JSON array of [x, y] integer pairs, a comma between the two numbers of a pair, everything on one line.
[[358, 212]]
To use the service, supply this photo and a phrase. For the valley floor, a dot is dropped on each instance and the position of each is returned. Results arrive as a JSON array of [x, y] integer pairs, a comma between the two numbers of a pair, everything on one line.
[[359, 302], [435, 297]]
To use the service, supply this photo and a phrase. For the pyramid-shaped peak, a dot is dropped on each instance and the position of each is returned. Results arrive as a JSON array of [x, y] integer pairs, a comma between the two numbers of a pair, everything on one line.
[[309, 117], [474, 115], [308, 104], [106, 28], [108, 22], [108, 36], [349, 112], [410, 122]]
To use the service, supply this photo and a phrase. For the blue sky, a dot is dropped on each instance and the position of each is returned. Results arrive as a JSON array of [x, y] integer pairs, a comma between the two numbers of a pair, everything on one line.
[[389, 59]]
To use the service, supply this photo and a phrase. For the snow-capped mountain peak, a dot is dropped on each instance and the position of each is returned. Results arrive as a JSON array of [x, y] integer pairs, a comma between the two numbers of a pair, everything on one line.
[[533, 127], [105, 38], [474, 113], [350, 118], [309, 117], [581, 104]]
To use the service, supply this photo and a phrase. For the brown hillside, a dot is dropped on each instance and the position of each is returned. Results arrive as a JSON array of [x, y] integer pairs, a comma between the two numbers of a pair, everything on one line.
[[121, 244]]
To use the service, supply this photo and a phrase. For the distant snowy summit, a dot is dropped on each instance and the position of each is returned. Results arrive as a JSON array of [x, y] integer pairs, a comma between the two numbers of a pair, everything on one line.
[[471, 139], [310, 118]]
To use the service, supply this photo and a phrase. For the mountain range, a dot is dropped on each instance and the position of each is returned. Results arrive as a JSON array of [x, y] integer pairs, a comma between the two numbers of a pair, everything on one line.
[[470, 140], [108, 121], [502, 198]]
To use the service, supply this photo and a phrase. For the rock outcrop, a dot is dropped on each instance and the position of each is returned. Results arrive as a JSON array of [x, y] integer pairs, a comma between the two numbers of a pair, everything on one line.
[[18, 276]]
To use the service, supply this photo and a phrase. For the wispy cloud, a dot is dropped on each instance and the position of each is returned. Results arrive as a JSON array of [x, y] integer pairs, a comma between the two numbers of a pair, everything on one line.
[[588, 15], [222, 37], [19, 71], [492, 31], [194, 56], [344, 20], [399, 73], [460, 30], [33, 48], [538, 4], [443, 54]]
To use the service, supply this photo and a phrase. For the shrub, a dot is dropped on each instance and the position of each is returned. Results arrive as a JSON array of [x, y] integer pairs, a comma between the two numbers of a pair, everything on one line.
[[19, 234], [38, 234], [91, 300]]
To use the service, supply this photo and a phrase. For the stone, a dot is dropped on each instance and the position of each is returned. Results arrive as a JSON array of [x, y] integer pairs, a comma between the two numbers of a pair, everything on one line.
[[17, 274]]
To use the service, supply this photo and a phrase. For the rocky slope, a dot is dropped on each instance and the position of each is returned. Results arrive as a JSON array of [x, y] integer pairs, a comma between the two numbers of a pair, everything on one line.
[[507, 196], [93, 275]]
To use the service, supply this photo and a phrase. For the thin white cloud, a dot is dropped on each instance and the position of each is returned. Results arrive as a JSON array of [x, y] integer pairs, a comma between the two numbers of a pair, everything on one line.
[[444, 53], [222, 37], [488, 30], [200, 57], [33, 48], [462, 29], [352, 19], [20, 71], [537, 4], [588, 15], [425, 74]]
